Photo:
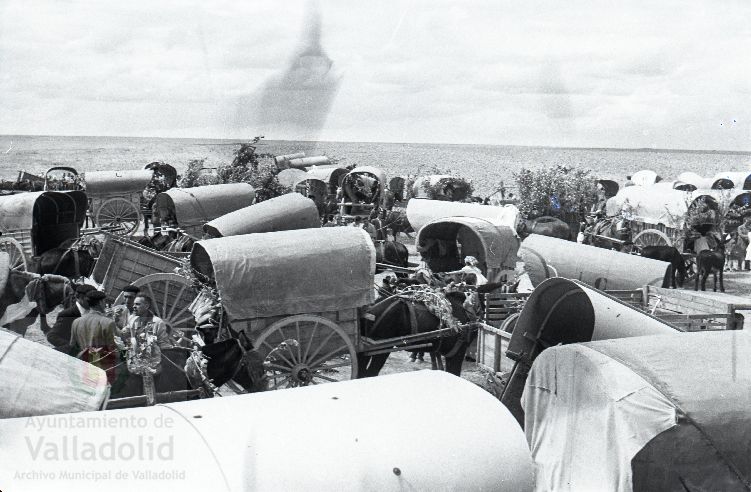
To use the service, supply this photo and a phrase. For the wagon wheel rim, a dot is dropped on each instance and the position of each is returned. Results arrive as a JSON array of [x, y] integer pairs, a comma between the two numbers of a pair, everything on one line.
[[652, 237], [119, 212], [306, 350], [17, 258], [171, 296]]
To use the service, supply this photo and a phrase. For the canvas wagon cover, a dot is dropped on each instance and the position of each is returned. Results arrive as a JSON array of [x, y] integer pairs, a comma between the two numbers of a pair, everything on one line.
[[117, 182], [38, 380], [289, 272], [283, 213], [193, 207], [421, 211], [655, 413], [499, 243], [17, 211], [380, 174], [652, 205], [738, 178], [325, 174]]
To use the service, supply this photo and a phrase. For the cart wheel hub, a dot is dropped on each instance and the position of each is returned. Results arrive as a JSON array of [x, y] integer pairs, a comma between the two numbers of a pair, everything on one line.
[[301, 373]]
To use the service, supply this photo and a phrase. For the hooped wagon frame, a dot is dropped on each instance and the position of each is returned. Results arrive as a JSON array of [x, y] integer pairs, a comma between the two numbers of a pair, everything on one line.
[[34, 222], [353, 202]]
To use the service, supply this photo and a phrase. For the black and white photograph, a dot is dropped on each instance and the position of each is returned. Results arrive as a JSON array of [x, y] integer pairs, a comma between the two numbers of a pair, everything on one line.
[[328, 245]]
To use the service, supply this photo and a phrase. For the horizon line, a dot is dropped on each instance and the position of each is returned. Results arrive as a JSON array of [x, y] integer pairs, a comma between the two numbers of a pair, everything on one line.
[[238, 140]]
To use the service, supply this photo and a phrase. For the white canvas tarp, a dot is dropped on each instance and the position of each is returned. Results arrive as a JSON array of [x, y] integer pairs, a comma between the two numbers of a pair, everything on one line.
[[644, 413], [651, 205], [38, 380], [352, 437], [289, 272], [547, 257], [420, 211], [586, 417]]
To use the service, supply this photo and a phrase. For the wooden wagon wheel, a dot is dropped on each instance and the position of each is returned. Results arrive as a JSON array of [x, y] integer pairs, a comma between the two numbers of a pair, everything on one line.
[[652, 237], [15, 251], [304, 350], [170, 295], [119, 212]]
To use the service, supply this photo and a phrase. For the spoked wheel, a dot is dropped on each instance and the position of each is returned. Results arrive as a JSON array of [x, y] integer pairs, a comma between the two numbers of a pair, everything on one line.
[[171, 296], [652, 237], [15, 251], [304, 350], [119, 212]]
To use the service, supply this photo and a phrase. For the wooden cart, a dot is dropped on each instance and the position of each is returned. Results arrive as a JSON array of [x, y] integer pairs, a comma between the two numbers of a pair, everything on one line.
[[34, 222], [295, 295], [123, 262], [684, 310], [115, 198]]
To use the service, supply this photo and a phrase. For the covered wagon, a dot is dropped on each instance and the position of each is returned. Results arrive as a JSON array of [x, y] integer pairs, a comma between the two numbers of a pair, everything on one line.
[[740, 180], [329, 437], [190, 208], [282, 213], [320, 184], [115, 197], [38, 380], [653, 415], [296, 291], [445, 242], [422, 211], [362, 189], [34, 222]]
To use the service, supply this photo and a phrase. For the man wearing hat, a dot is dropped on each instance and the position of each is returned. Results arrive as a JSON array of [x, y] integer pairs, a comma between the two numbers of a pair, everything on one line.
[[93, 335], [59, 334]]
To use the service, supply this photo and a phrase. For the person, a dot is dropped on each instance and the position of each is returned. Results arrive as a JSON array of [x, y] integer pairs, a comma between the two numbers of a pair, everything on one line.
[[471, 267], [743, 242], [129, 295], [143, 321], [60, 334], [93, 336], [581, 236], [423, 274], [735, 255], [370, 229]]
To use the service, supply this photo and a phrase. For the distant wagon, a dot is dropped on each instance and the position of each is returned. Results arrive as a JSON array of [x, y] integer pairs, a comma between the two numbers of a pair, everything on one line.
[[190, 208], [661, 216], [320, 184], [118, 200], [34, 222], [363, 190]]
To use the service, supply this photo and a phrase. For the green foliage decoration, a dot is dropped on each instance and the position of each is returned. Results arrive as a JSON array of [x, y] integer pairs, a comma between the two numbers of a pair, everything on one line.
[[555, 191]]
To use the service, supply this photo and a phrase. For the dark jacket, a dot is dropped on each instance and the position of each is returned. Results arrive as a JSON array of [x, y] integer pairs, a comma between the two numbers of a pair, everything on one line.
[[59, 334]]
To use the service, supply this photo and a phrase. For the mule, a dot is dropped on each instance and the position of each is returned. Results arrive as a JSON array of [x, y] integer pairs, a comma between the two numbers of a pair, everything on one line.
[[392, 253], [396, 222], [73, 258], [671, 255], [545, 226], [710, 261], [48, 291], [601, 232], [397, 316]]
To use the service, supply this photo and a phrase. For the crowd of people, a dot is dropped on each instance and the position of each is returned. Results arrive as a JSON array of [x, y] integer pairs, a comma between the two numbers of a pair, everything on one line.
[[108, 337]]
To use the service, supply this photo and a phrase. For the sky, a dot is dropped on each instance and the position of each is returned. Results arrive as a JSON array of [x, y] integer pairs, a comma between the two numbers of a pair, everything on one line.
[[636, 74]]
